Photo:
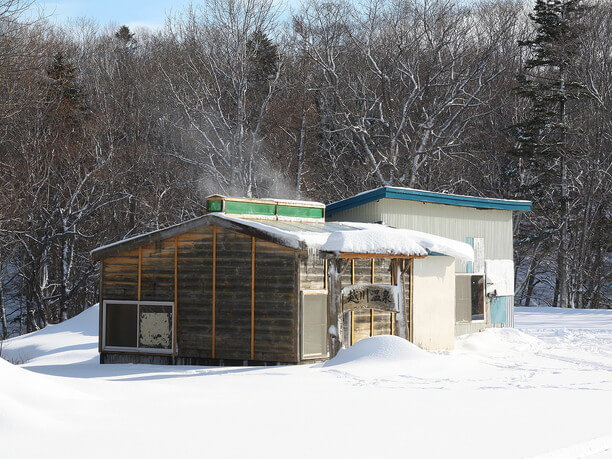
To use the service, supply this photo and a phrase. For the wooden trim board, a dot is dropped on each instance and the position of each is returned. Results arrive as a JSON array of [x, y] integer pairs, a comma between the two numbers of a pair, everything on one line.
[[175, 309], [252, 298], [351, 255], [139, 272], [214, 292]]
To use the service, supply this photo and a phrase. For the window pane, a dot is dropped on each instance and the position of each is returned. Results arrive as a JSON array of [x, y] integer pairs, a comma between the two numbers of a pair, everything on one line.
[[155, 327], [314, 319], [463, 299], [121, 325], [477, 298]]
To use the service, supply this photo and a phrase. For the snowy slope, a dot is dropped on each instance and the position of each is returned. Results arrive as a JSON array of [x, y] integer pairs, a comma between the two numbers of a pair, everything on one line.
[[73, 341], [542, 391]]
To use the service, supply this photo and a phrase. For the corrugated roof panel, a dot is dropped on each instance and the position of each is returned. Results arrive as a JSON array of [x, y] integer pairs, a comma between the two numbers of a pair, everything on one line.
[[427, 196]]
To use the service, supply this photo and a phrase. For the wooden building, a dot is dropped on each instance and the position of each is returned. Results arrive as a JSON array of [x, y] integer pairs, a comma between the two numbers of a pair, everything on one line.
[[266, 282], [484, 288]]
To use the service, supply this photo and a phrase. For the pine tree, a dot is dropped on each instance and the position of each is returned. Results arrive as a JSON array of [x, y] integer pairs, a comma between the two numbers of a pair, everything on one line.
[[64, 89], [263, 56], [125, 37], [544, 139]]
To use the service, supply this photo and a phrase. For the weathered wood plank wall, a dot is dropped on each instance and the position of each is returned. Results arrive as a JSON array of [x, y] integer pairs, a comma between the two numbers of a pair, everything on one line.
[[241, 321], [312, 273], [276, 303], [120, 277], [233, 302], [195, 293], [157, 272]]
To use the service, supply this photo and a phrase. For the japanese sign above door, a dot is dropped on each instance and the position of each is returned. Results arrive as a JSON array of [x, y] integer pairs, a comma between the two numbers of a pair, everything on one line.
[[371, 296]]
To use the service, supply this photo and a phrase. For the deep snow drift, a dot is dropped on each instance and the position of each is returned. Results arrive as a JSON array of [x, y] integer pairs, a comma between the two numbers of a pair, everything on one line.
[[544, 390], [73, 341], [379, 349]]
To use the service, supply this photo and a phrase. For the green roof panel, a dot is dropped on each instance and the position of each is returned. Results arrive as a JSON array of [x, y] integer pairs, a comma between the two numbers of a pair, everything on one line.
[[300, 212], [249, 208]]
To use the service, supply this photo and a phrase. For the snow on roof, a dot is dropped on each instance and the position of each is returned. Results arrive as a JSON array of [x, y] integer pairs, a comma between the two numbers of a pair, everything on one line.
[[313, 235], [439, 244], [333, 237], [381, 239], [353, 237]]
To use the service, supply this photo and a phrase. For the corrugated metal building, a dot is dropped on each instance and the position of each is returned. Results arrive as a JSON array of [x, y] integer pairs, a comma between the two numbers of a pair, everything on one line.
[[485, 288]]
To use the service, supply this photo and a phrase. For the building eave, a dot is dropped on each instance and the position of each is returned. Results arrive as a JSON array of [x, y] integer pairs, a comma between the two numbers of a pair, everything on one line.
[[410, 194]]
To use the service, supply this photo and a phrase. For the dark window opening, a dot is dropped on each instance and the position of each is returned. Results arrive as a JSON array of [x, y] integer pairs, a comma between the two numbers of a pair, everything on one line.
[[477, 284], [469, 297], [121, 325]]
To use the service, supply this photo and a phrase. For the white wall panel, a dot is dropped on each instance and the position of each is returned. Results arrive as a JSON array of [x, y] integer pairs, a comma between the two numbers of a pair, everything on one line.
[[433, 303]]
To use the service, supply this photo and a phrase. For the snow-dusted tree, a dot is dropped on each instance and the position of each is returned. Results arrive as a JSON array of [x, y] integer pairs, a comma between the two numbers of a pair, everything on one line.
[[544, 139], [401, 82], [223, 77]]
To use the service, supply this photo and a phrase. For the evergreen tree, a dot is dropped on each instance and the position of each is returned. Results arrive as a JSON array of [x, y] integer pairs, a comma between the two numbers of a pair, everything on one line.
[[544, 138], [264, 57], [125, 37], [64, 90]]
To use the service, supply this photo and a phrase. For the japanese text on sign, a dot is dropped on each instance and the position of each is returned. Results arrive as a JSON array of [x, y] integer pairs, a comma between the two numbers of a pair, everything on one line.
[[370, 296]]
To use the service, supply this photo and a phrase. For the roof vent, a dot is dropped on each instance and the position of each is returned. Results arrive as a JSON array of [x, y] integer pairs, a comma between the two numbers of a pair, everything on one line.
[[267, 209]]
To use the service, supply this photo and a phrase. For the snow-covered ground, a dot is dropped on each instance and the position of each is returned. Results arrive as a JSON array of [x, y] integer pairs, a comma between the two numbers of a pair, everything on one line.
[[541, 390]]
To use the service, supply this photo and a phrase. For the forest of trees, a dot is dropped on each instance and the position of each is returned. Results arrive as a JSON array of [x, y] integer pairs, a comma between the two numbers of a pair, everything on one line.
[[107, 132]]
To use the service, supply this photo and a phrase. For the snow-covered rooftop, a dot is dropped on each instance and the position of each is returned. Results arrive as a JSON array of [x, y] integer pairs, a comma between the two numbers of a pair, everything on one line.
[[330, 237]]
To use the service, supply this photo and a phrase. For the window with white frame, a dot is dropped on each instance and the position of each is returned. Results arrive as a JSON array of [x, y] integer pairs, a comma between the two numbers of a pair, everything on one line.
[[314, 323], [138, 325], [470, 298]]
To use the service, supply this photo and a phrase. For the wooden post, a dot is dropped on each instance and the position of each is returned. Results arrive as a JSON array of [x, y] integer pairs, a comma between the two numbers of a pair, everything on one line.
[[372, 273], [400, 317], [252, 298], [372, 281], [351, 339], [175, 309], [325, 266], [101, 307], [214, 292], [410, 300], [139, 271], [335, 332]]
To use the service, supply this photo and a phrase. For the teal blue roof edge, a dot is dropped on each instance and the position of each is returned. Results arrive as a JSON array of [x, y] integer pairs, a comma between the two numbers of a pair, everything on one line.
[[426, 196]]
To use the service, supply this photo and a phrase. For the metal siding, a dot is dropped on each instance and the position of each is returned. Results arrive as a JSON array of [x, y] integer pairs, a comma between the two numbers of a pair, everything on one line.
[[427, 196], [465, 328], [458, 223], [509, 312], [433, 305], [367, 213], [499, 310]]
